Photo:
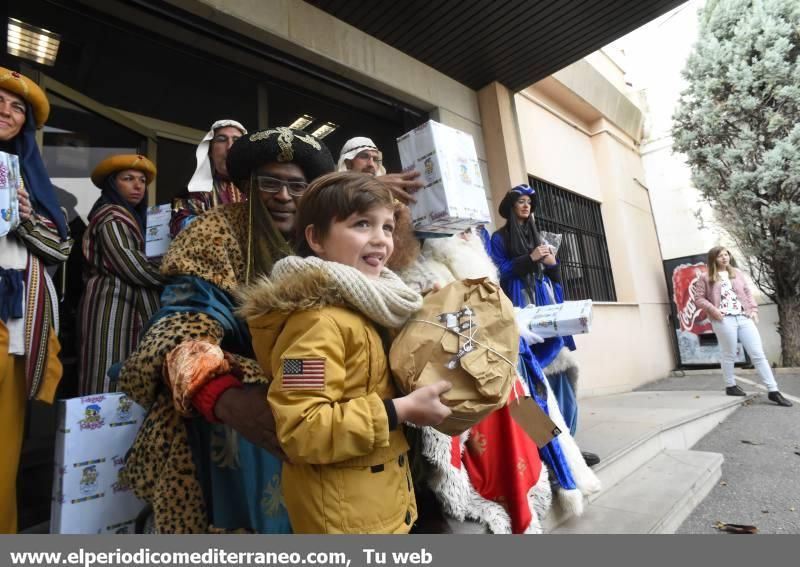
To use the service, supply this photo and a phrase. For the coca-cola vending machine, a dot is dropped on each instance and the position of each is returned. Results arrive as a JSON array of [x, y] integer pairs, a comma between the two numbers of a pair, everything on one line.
[[695, 340]]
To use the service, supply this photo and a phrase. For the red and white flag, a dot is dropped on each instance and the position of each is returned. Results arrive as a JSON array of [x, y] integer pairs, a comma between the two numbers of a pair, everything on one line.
[[303, 374]]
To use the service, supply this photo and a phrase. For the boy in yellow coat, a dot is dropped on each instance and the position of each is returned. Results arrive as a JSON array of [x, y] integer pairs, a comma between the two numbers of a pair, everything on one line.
[[319, 331]]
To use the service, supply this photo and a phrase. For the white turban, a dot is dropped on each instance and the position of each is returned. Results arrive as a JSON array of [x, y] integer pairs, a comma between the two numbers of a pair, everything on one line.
[[351, 149], [202, 180]]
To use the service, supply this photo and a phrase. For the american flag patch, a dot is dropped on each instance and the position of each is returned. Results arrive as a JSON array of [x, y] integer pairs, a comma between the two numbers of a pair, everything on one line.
[[304, 374]]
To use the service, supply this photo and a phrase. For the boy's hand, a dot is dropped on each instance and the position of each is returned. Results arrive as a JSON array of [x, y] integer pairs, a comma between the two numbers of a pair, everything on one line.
[[423, 406]]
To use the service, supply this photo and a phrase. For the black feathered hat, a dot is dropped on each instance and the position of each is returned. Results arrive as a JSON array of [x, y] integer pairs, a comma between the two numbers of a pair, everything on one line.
[[282, 145]]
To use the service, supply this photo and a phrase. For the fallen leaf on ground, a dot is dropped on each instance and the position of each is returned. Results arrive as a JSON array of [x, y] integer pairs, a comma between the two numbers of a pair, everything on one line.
[[746, 442], [735, 528]]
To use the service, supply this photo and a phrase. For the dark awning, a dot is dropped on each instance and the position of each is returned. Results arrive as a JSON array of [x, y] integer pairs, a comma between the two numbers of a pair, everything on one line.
[[515, 42]]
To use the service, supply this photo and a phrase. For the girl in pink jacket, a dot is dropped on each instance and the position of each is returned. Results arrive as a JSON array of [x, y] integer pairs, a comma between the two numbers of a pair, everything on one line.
[[725, 296]]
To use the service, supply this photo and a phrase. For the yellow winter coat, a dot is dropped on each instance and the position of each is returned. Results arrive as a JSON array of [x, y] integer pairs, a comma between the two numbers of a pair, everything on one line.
[[329, 377]]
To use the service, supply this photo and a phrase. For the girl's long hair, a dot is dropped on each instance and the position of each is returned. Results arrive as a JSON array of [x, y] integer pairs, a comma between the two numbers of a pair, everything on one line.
[[713, 274]]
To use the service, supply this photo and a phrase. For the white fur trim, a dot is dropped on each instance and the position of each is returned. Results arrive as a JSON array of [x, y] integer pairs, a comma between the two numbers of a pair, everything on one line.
[[466, 258], [445, 260], [585, 479], [564, 362], [461, 501], [540, 498], [571, 501]]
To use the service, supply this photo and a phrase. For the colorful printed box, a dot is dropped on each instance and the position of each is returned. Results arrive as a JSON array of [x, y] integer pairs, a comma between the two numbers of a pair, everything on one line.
[[9, 183], [94, 435], [453, 198]]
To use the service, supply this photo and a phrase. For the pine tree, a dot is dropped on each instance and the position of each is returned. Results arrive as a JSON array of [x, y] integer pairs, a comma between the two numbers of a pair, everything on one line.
[[738, 124]]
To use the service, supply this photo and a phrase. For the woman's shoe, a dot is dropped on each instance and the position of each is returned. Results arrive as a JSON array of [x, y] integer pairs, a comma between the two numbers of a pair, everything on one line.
[[735, 391], [778, 398]]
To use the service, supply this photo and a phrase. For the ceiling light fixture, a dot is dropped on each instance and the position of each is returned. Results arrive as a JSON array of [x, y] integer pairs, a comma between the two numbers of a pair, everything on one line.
[[324, 130], [30, 42], [302, 122]]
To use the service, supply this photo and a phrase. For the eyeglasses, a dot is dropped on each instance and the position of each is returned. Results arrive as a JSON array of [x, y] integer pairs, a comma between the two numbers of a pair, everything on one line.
[[366, 156], [273, 185], [223, 139]]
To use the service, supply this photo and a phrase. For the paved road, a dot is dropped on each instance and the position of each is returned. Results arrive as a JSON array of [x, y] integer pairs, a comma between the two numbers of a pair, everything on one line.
[[760, 482]]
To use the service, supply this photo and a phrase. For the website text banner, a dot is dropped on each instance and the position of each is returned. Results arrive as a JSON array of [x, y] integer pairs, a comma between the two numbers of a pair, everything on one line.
[[392, 551]]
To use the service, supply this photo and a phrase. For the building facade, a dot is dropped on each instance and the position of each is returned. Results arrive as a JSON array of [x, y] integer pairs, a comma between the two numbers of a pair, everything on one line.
[[150, 76], [654, 56]]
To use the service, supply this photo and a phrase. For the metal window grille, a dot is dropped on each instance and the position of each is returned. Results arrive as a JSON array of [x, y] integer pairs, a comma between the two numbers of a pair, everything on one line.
[[583, 254]]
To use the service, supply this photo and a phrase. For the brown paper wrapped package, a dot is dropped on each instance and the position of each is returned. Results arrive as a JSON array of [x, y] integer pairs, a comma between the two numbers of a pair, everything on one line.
[[482, 378]]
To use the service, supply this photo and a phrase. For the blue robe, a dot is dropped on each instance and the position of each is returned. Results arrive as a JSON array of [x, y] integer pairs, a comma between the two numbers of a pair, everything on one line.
[[244, 495], [514, 285]]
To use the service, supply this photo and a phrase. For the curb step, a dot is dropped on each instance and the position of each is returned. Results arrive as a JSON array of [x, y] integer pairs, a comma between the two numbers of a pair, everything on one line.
[[647, 470], [635, 445], [654, 499]]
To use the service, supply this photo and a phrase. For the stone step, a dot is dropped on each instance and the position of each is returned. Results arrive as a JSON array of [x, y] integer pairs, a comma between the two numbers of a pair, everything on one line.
[[654, 499], [628, 430]]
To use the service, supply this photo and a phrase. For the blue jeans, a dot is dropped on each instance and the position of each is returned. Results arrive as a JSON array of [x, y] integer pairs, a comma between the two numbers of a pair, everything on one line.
[[740, 328]]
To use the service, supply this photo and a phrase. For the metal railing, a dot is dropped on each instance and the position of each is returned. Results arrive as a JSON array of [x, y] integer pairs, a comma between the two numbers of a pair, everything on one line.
[[583, 255]]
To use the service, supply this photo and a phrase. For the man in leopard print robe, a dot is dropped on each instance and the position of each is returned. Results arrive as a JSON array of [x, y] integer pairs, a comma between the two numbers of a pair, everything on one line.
[[219, 251]]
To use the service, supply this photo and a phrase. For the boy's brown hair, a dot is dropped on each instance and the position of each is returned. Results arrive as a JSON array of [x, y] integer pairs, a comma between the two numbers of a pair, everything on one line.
[[334, 197]]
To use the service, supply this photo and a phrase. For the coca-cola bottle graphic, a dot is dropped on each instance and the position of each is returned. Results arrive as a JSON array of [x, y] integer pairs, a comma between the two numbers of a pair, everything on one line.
[[690, 317]]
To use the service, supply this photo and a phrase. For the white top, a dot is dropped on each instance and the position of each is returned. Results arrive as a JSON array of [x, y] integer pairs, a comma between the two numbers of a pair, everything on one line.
[[729, 303]]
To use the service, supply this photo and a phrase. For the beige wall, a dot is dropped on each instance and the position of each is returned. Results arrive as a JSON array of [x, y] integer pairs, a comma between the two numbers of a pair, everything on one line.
[[607, 63], [626, 348], [686, 224], [569, 142], [574, 129]]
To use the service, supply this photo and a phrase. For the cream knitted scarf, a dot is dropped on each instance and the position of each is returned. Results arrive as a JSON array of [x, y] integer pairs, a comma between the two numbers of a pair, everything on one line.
[[386, 300]]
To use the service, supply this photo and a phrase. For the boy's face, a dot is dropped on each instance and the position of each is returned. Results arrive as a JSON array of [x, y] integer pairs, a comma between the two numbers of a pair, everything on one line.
[[363, 241]]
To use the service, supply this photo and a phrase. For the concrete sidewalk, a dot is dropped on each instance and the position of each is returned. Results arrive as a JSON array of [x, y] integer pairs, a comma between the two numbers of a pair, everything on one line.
[[761, 446]]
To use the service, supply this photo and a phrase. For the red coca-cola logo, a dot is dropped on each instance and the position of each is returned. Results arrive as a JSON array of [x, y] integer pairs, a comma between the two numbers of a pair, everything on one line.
[[691, 318]]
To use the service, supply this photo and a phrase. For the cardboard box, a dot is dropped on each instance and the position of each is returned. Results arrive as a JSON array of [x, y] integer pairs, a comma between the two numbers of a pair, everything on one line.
[[453, 198], [559, 319], [94, 435], [532, 419], [10, 180]]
